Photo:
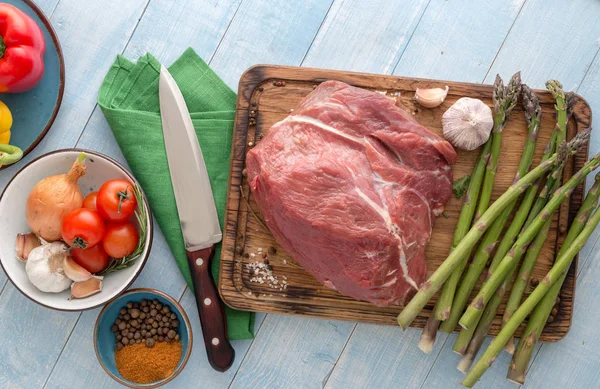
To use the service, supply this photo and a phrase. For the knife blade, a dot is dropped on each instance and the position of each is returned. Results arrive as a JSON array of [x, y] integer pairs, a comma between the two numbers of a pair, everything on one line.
[[197, 215]]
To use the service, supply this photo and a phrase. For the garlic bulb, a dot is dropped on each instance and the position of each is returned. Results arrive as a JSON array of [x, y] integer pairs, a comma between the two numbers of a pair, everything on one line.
[[467, 123], [431, 98], [44, 267]]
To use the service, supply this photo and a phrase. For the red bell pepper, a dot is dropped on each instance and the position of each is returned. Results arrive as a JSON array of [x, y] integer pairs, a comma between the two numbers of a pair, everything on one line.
[[22, 48]]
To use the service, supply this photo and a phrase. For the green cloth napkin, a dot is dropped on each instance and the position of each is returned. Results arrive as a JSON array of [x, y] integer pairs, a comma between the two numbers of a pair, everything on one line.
[[129, 100]]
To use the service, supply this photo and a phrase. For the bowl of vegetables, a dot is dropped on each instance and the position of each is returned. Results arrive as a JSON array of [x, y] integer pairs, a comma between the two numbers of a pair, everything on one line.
[[75, 229]]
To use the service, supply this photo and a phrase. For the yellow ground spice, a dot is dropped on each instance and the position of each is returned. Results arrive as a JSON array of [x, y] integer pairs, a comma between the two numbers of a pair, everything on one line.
[[141, 364]]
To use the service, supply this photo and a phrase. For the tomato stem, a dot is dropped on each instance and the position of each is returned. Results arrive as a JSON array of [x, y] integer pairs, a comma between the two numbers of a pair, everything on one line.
[[122, 195], [79, 243], [2, 47]]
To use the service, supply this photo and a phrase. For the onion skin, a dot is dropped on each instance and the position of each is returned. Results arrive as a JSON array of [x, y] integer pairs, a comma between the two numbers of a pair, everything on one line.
[[52, 199]]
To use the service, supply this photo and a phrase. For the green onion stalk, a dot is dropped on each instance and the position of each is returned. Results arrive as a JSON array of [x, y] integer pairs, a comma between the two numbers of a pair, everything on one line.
[[558, 271], [539, 317]]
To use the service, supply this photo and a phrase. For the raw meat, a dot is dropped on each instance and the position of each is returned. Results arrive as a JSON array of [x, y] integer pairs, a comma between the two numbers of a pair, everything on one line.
[[349, 185]]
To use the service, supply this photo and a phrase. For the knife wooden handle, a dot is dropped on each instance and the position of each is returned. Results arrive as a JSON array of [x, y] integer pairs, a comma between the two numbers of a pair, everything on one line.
[[212, 315]]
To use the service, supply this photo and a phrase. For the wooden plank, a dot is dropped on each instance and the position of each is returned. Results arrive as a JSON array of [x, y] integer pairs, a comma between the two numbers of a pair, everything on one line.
[[198, 369], [537, 21], [547, 41], [458, 40], [549, 364], [97, 135], [107, 26], [78, 359], [573, 362], [365, 49], [47, 6], [275, 31], [269, 103], [356, 15], [383, 357], [25, 327], [445, 375], [590, 88], [167, 38], [280, 358]]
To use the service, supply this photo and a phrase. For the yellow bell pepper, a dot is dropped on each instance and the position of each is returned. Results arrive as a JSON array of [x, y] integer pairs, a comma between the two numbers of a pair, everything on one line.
[[8, 154], [5, 123]]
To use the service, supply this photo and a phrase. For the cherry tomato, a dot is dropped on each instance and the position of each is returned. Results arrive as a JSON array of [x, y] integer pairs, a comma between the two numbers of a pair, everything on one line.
[[120, 239], [116, 200], [93, 259], [83, 228], [90, 201]]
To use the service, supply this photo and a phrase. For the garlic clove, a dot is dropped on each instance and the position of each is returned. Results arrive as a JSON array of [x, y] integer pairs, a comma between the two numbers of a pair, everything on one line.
[[468, 123], [24, 244], [431, 98], [74, 271], [87, 288]]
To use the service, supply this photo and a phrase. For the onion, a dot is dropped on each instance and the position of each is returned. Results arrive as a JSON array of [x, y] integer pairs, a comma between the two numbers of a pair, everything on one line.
[[52, 198]]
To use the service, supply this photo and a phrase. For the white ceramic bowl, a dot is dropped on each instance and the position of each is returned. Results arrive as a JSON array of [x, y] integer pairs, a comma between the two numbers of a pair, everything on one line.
[[100, 169]]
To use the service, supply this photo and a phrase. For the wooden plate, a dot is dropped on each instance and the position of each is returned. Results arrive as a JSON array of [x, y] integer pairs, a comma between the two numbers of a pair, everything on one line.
[[267, 94], [34, 111]]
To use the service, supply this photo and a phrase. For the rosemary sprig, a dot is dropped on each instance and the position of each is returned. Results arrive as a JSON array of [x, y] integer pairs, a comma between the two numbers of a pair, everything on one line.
[[141, 216]]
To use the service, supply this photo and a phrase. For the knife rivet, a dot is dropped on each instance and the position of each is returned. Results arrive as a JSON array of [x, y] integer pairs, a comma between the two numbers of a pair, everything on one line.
[[199, 262], [207, 301], [215, 341]]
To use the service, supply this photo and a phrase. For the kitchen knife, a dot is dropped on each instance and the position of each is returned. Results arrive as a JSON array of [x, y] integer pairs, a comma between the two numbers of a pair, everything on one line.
[[197, 215]]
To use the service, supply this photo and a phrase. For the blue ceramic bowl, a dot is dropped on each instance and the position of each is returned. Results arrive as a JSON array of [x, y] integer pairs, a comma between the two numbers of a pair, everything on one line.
[[105, 342], [34, 111]]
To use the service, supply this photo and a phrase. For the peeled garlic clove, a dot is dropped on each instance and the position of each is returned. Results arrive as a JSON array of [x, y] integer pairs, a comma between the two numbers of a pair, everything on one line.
[[467, 124], [25, 243], [74, 271], [431, 98], [85, 289]]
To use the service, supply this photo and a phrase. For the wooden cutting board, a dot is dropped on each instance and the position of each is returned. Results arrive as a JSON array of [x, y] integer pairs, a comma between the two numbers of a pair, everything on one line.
[[267, 94]]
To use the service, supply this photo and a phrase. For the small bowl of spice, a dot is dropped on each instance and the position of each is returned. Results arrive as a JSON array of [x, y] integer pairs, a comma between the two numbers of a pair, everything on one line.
[[143, 339]]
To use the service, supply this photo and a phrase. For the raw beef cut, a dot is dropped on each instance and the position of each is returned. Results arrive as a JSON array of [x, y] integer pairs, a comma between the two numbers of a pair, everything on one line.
[[349, 185]]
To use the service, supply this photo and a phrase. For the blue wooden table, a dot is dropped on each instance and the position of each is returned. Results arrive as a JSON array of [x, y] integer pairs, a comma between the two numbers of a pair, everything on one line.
[[462, 40]]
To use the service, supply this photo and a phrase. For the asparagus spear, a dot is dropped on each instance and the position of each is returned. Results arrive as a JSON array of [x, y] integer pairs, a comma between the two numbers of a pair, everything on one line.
[[462, 227], [532, 108], [533, 252], [483, 324], [511, 260], [504, 99], [433, 284], [442, 307], [537, 320], [564, 109], [555, 274], [481, 330]]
